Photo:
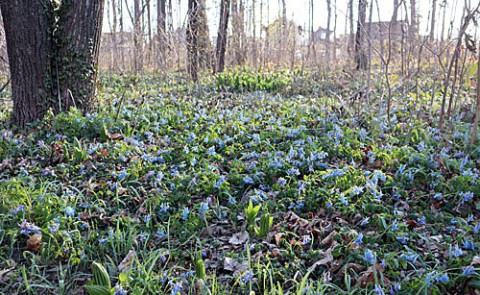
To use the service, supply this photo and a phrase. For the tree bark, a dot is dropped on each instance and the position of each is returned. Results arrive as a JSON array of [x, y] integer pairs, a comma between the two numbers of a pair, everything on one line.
[[78, 40], [360, 55], [414, 19], [53, 55], [28, 35], [351, 39], [477, 105], [192, 39], [327, 35], [137, 36], [161, 31], [431, 37], [222, 36]]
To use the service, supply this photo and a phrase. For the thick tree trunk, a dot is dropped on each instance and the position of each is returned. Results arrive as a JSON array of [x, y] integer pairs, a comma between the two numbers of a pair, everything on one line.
[[360, 55], [27, 31], [192, 39], [222, 37], [78, 40], [53, 55]]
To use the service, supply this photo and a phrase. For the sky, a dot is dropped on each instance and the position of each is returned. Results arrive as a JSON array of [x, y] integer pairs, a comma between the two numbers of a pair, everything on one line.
[[298, 11]]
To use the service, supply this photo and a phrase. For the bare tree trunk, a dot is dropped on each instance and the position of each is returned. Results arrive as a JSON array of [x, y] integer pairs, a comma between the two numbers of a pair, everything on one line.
[[477, 105], [431, 37], [53, 55], [192, 39], [222, 36], [238, 32], [27, 25], [454, 60], [254, 34], [360, 55], [149, 31], [205, 50], [351, 38], [137, 36], [114, 34], [395, 11], [161, 29], [414, 20], [327, 35], [78, 40]]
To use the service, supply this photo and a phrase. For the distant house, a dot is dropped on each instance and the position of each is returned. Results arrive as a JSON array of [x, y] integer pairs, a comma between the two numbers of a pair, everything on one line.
[[321, 34], [384, 30]]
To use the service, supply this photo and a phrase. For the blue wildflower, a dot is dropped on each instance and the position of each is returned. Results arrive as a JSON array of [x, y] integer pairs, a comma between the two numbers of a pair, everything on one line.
[[147, 218], [343, 200], [247, 276], [102, 241], [203, 209], [211, 151], [220, 181], [122, 175], [177, 288], [248, 180], [27, 228], [409, 257], [359, 239], [185, 213], [422, 220], [378, 290], [369, 257], [457, 252], [161, 234], [232, 201], [394, 225], [468, 245], [403, 240], [467, 271], [143, 237], [17, 209], [365, 221], [476, 229], [442, 278], [164, 208], [395, 288], [69, 211], [356, 190], [281, 181], [293, 171], [466, 197], [54, 227]]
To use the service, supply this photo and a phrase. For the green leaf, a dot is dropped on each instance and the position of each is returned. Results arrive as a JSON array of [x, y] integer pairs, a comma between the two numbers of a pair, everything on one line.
[[98, 290], [100, 275]]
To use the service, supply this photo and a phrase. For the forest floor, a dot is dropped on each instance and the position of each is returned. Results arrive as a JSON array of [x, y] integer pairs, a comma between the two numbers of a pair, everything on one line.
[[207, 191]]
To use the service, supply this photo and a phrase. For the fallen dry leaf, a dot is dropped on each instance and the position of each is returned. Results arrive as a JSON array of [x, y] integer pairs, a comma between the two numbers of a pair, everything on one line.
[[233, 265], [475, 261], [34, 243], [369, 276], [239, 239], [278, 238], [126, 263], [5, 272], [323, 262], [328, 240]]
